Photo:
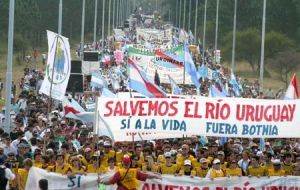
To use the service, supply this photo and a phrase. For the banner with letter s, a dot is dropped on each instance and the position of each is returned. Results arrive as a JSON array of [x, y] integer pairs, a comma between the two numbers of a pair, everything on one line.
[[227, 117], [58, 66], [89, 182]]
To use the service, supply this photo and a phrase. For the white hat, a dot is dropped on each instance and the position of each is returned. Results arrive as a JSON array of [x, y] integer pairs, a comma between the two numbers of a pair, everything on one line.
[[216, 161], [69, 96], [259, 153], [167, 155], [187, 163], [106, 143], [203, 160], [276, 162], [267, 144]]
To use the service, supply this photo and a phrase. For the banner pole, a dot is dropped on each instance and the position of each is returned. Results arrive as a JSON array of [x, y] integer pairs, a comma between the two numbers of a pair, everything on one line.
[[51, 82]]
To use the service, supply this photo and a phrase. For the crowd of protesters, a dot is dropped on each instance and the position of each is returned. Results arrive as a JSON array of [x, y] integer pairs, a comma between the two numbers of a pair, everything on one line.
[[65, 146]]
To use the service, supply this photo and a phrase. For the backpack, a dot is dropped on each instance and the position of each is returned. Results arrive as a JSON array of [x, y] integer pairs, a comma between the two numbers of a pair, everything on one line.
[[3, 179]]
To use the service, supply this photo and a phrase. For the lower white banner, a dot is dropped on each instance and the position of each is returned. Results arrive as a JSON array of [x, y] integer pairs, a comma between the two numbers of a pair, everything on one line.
[[168, 182]]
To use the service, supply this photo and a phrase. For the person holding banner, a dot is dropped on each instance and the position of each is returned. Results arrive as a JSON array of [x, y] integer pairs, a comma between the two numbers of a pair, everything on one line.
[[255, 169], [216, 170], [233, 169], [128, 178], [168, 167], [277, 169], [23, 173]]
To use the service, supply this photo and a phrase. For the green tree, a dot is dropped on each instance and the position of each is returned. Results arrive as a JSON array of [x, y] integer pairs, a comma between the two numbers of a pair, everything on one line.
[[277, 42], [284, 63]]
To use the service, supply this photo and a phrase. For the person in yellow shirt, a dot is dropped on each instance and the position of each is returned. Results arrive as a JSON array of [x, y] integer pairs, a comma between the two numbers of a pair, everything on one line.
[[112, 165], [139, 153], [255, 168], [23, 173], [296, 168], [108, 152], [61, 167], [267, 164], [187, 169], [221, 157], [96, 163], [168, 167], [128, 178], [287, 163], [277, 169], [76, 166], [38, 159], [203, 169], [161, 159], [122, 153], [216, 170], [233, 169], [185, 155], [149, 165]]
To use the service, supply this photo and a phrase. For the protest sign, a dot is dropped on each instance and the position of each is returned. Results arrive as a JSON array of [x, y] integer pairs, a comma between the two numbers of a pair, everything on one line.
[[89, 182], [228, 117], [150, 62]]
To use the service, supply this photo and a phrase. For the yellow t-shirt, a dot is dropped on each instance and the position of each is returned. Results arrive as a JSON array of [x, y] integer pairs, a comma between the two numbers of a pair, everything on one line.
[[161, 159], [129, 178], [272, 172], [110, 154], [154, 168], [23, 175], [164, 169], [180, 160], [234, 172], [37, 164], [192, 173], [92, 169], [82, 169], [287, 168], [216, 173], [62, 170], [201, 172], [257, 171]]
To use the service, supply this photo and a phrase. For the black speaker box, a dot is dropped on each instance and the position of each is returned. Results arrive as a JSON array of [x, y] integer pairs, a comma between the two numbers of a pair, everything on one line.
[[76, 66], [75, 83], [90, 56]]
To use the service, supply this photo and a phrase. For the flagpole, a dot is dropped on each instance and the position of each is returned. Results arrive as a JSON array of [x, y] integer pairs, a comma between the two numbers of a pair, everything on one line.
[[204, 30], [117, 13], [95, 20], [9, 65], [233, 37], [113, 14], [103, 15], [190, 7], [52, 76], [82, 28], [176, 14], [184, 7], [217, 28], [60, 17], [109, 12], [179, 19], [196, 16], [261, 75]]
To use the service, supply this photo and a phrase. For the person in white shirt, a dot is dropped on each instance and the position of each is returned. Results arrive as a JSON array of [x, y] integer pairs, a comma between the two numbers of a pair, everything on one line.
[[9, 147], [9, 175]]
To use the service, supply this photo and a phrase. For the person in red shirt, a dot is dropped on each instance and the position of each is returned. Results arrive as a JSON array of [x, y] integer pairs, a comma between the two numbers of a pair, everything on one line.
[[128, 178]]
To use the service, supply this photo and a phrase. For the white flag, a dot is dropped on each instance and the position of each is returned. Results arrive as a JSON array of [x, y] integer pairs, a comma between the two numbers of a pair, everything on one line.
[[58, 66]]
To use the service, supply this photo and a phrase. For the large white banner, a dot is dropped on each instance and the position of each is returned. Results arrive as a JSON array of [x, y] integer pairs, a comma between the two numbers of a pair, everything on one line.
[[154, 36], [151, 63], [58, 66], [168, 182], [228, 117]]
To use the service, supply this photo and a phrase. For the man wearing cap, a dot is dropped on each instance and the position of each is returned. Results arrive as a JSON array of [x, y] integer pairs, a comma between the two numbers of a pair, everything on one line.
[[203, 169], [277, 169], [216, 170], [168, 167], [108, 152], [187, 169], [221, 157], [166, 148], [128, 178]]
